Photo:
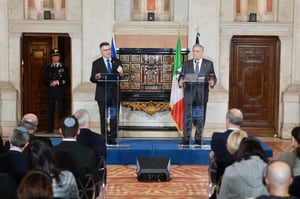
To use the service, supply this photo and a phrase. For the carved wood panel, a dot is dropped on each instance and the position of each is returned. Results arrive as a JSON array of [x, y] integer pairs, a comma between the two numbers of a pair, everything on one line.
[[148, 72], [254, 82]]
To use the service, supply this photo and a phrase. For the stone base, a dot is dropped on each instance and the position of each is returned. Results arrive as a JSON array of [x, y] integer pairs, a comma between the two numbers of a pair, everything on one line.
[[291, 110]]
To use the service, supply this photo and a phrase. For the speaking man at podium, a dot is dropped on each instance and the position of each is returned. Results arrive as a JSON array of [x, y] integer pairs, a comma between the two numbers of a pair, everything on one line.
[[196, 76], [105, 72]]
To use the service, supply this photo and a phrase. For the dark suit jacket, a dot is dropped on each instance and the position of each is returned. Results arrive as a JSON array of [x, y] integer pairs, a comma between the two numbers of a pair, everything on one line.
[[112, 87], [75, 157], [218, 144], [206, 69], [8, 188], [14, 163], [94, 141]]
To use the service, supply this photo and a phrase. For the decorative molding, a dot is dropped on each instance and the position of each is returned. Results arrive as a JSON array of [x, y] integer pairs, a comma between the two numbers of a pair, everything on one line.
[[49, 26], [256, 28], [150, 28], [149, 107]]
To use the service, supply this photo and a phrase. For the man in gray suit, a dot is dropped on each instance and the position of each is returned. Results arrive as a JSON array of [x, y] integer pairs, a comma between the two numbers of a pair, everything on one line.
[[196, 92]]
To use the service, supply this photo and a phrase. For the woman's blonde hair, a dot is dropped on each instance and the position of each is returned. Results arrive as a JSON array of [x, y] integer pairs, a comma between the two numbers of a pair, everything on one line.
[[234, 140]]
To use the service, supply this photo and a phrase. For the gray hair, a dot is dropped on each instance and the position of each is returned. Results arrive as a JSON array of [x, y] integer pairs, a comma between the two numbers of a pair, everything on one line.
[[82, 116], [198, 45], [235, 116], [19, 137]]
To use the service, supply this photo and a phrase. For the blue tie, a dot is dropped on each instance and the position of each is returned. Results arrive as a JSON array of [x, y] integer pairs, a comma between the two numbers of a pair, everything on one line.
[[197, 68], [108, 66]]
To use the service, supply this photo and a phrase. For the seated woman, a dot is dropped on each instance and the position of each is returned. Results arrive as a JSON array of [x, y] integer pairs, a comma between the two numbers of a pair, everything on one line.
[[233, 143], [243, 178], [63, 182], [293, 157], [36, 184]]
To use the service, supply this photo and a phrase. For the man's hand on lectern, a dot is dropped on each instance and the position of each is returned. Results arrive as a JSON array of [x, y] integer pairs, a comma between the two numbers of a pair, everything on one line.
[[98, 76]]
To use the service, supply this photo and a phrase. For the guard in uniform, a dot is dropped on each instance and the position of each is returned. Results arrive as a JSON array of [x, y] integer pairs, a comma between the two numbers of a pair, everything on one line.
[[56, 79]]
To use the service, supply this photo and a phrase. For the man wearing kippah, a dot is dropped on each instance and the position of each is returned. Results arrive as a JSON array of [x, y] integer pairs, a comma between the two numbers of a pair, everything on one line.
[[56, 79], [71, 155]]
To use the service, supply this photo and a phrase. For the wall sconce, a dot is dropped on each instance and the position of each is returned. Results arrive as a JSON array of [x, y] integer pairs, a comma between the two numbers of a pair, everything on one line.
[[47, 14], [252, 17], [151, 16]]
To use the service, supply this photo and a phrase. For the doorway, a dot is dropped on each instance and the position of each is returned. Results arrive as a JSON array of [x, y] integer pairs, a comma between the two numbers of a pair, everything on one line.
[[36, 50], [254, 82]]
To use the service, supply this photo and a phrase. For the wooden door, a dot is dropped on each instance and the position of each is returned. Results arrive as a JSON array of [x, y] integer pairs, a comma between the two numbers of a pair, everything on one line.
[[254, 82], [36, 56]]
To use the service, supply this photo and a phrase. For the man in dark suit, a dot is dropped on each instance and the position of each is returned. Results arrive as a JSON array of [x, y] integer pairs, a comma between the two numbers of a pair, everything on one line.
[[196, 93], [30, 122], [89, 138], [107, 92], [234, 119], [71, 155], [14, 161], [219, 153], [56, 78], [92, 140]]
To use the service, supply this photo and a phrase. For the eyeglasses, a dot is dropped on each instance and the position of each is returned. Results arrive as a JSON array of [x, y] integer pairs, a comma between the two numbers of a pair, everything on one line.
[[106, 49]]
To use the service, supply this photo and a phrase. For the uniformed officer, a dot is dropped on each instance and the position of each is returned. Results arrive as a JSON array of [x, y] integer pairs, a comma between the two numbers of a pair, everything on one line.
[[56, 79]]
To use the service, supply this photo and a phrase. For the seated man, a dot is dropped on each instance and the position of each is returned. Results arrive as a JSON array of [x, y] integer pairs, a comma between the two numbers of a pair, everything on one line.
[[278, 178], [30, 122], [71, 155], [89, 138], [92, 140], [14, 161], [234, 118]]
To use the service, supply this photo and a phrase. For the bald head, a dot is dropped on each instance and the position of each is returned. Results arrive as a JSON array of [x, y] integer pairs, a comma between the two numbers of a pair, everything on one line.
[[278, 176], [30, 122], [234, 118]]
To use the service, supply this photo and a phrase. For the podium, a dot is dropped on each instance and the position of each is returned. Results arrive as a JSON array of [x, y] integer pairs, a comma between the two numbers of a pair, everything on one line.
[[195, 106], [112, 105]]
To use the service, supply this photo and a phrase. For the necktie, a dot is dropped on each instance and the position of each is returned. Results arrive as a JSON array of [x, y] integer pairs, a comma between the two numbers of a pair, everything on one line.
[[108, 66], [197, 70]]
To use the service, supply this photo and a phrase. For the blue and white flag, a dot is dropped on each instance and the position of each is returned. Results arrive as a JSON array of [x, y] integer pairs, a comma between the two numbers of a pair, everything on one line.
[[113, 48]]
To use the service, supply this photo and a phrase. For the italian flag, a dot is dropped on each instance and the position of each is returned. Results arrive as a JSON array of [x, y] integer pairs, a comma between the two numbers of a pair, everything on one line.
[[176, 99]]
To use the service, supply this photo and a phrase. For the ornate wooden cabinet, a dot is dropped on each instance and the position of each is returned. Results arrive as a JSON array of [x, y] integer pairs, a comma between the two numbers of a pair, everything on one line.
[[148, 73]]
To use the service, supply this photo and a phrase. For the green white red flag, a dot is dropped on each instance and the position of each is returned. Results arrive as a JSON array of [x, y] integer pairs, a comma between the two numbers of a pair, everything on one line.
[[176, 99]]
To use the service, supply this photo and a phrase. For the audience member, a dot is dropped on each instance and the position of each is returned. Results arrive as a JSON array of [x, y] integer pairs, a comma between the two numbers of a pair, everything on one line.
[[30, 122], [234, 140], [14, 161], [233, 143], [71, 155], [278, 177], [63, 182], [219, 152], [35, 185], [243, 178], [89, 138], [92, 140], [8, 188], [293, 158], [234, 119]]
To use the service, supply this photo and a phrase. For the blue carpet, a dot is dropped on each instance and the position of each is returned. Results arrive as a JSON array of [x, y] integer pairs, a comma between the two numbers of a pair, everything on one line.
[[128, 150]]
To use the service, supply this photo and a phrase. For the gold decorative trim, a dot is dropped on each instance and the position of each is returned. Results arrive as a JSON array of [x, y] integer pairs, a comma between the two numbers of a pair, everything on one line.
[[149, 107]]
